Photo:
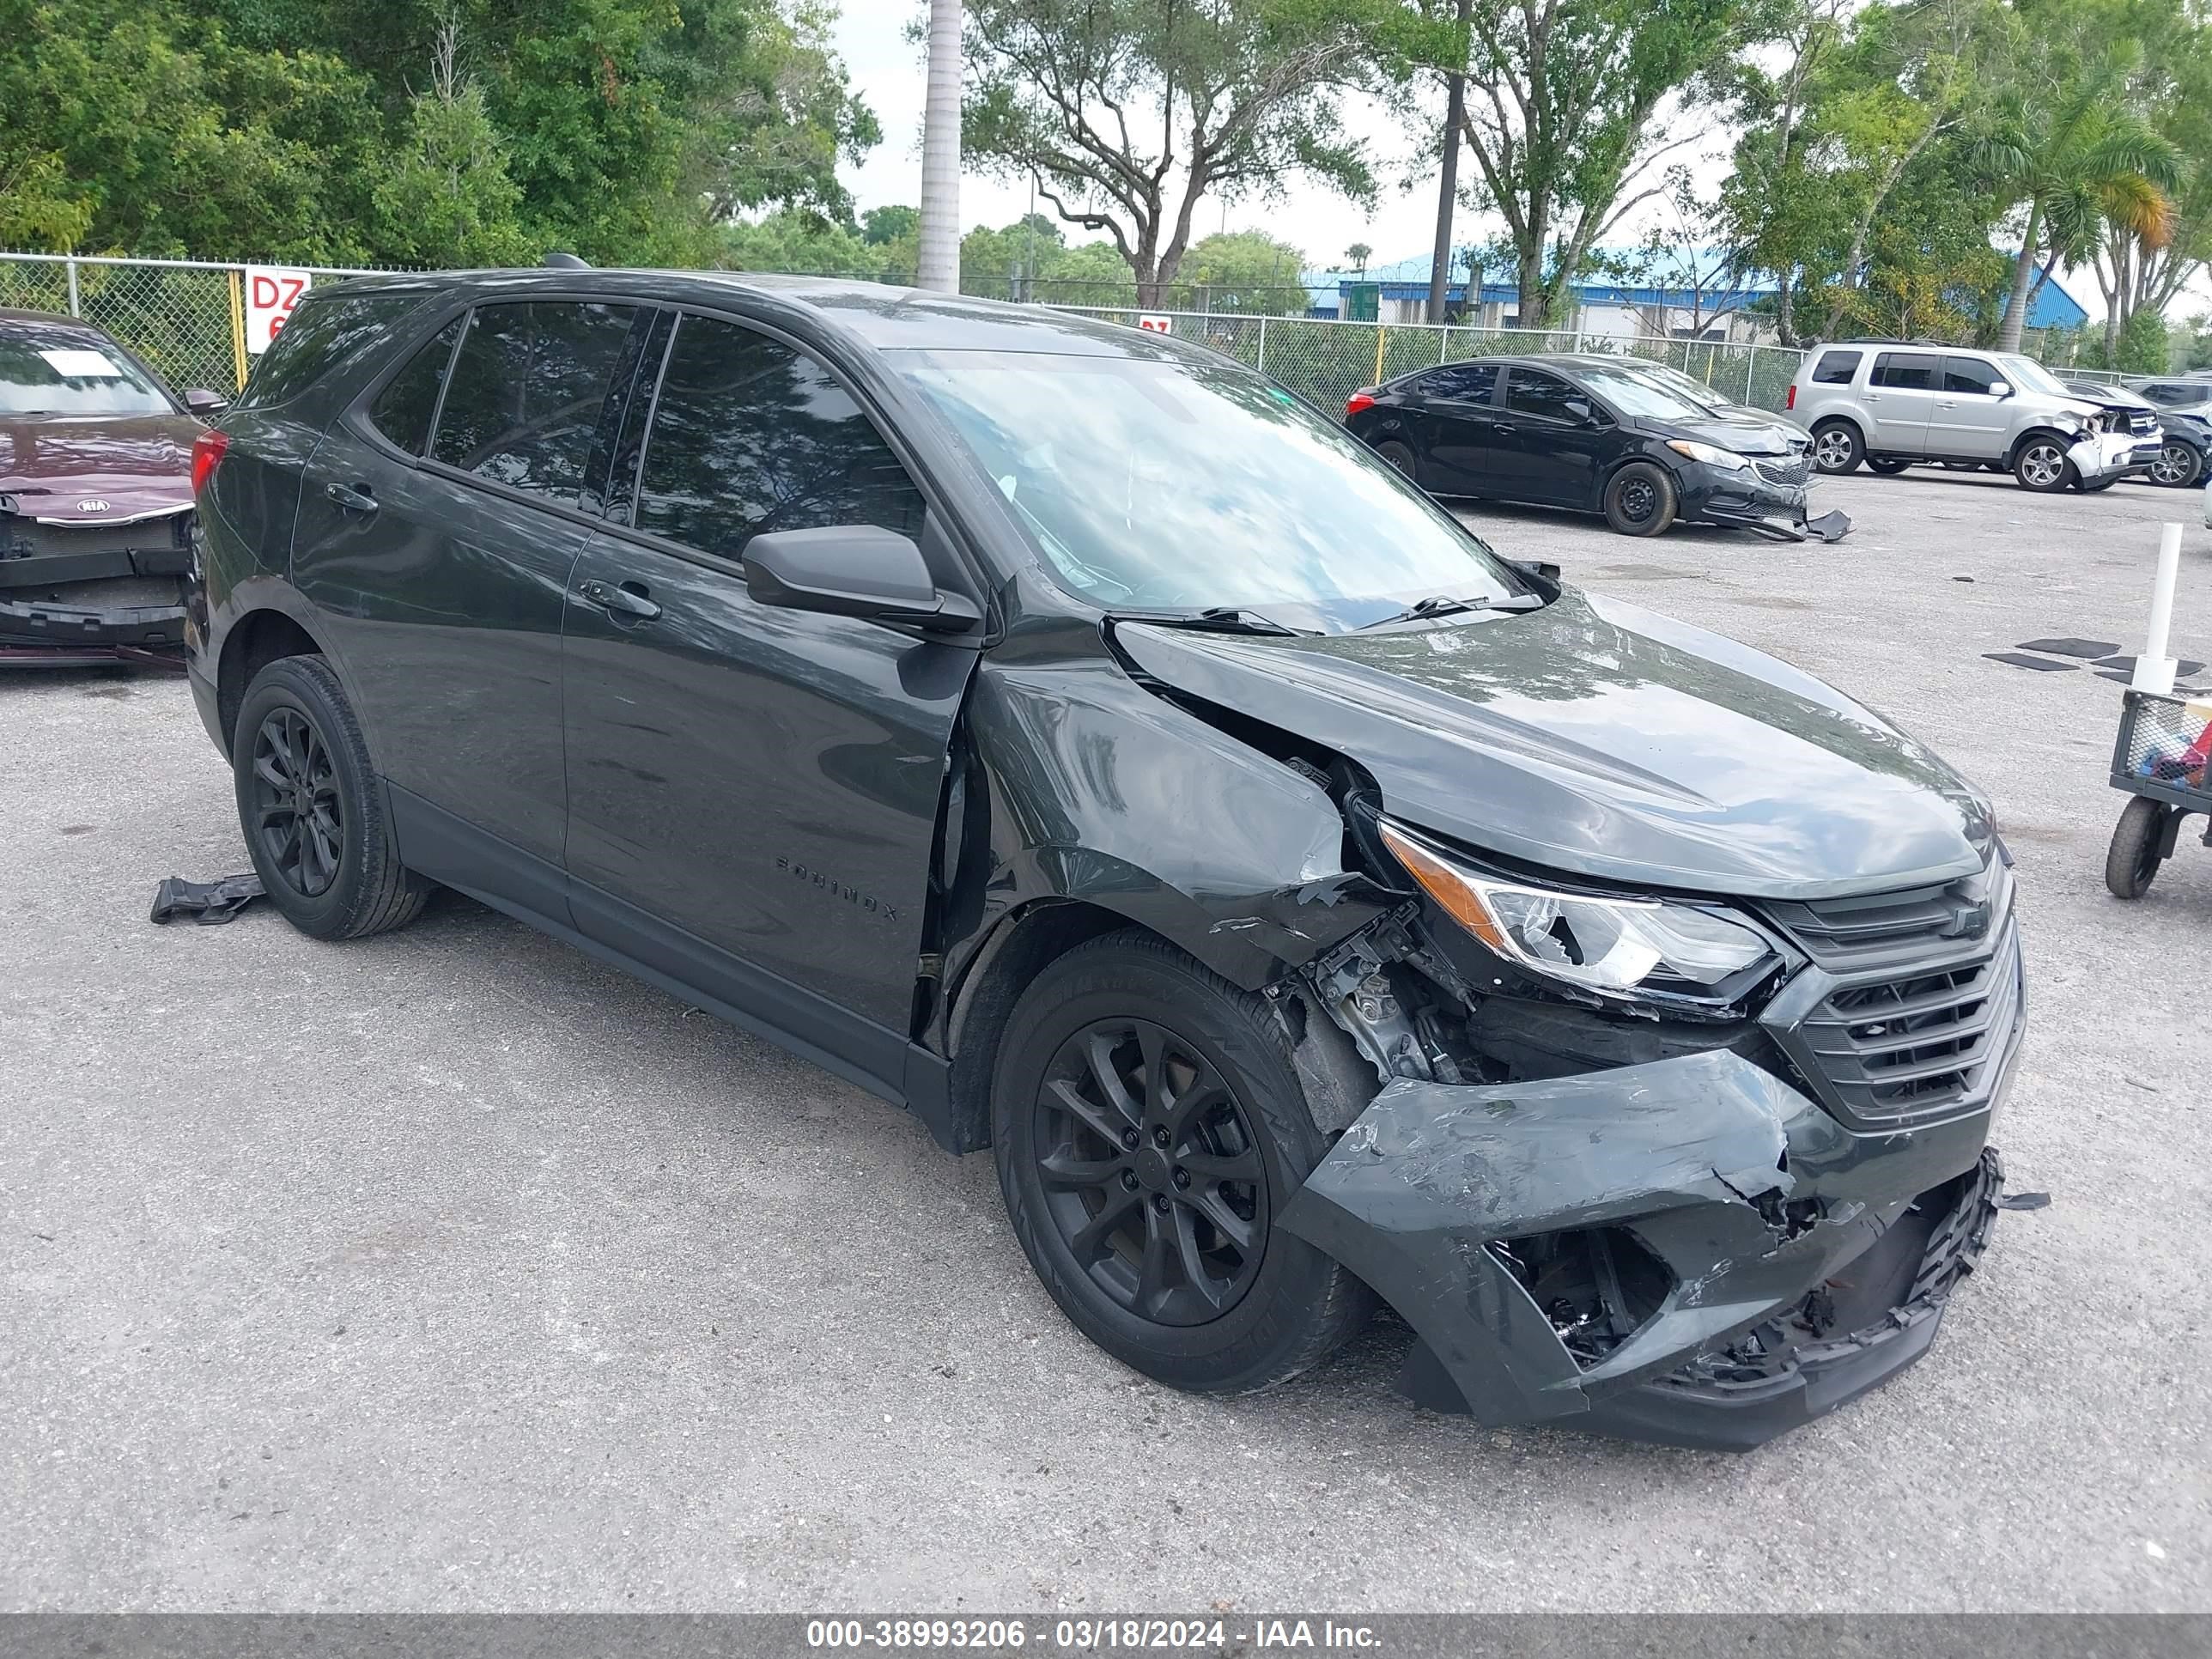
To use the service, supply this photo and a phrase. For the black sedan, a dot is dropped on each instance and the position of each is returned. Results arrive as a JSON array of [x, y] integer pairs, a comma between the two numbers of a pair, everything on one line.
[[1598, 434]]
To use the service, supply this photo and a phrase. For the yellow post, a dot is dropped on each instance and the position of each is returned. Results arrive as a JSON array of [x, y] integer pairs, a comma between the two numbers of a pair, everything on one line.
[[1381, 333], [237, 328]]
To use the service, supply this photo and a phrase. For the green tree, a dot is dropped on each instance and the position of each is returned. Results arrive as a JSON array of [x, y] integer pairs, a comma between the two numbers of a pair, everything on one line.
[[446, 200], [2143, 347], [1566, 111], [1127, 113], [2063, 143], [879, 226], [1243, 269]]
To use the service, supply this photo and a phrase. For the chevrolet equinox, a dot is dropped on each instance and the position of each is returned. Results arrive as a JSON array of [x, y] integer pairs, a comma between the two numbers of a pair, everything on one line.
[[1069, 735]]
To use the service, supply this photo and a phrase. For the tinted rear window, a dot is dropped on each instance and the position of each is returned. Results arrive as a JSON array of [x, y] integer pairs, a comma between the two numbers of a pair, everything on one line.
[[1466, 383], [1906, 372], [404, 409], [522, 403], [323, 328], [1835, 367]]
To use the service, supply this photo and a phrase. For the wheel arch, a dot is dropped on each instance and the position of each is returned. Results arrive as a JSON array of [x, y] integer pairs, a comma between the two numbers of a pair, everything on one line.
[[254, 640], [2012, 454]]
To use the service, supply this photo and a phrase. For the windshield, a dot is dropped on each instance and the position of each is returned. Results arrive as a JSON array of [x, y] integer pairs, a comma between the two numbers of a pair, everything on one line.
[[1645, 396], [69, 371], [2026, 373], [1171, 486]]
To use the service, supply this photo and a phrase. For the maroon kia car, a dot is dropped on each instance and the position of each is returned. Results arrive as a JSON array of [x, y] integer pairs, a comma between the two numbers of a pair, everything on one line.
[[96, 496]]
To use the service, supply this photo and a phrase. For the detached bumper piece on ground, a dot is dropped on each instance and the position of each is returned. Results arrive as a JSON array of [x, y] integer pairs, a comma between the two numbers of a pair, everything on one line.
[[204, 902]]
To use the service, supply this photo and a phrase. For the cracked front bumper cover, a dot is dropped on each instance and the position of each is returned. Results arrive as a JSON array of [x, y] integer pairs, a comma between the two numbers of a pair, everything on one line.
[[1787, 1239]]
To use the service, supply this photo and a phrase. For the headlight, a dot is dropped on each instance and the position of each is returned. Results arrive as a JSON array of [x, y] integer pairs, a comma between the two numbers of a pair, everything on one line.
[[1616, 947], [1711, 454]]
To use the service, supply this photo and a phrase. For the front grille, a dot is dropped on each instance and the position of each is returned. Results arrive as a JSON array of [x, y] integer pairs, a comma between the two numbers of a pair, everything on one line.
[[1795, 471], [1914, 1045], [1911, 1007], [2142, 421]]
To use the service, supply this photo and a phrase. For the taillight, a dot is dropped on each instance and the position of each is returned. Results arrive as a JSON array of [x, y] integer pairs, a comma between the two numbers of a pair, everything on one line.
[[1790, 402], [207, 451], [1363, 398]]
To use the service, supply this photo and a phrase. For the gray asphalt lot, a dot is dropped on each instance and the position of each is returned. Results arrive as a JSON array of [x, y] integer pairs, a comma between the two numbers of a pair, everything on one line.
[[452, 1270]]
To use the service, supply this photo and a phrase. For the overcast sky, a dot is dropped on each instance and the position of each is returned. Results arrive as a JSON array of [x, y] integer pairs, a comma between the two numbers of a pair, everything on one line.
[[887, 72]]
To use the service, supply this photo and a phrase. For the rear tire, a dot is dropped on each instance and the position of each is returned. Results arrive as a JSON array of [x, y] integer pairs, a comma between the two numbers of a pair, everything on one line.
[[1888, 465], [1401, 458], [311, 809], [2131, 863], [1837, 447], [1149, 1130], [2040, 465], [1640, 500]]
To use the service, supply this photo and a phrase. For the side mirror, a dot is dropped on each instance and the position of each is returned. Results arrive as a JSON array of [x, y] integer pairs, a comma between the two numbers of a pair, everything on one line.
[[2000, 388], [852, 570], [1582, 411], [201, 401]]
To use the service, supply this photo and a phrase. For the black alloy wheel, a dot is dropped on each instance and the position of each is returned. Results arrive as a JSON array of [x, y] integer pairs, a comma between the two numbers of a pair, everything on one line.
[[310, 808], [298, 818], [1150, 1172], [2177, 465]]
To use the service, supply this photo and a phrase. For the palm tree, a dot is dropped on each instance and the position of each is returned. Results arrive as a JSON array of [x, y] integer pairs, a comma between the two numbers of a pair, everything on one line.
[[937, 260], [1358, 256], [2075, 156]]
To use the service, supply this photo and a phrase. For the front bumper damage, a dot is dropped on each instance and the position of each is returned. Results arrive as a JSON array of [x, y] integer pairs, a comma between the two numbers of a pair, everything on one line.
[[2102, 455], [71, 607], [1759, 1263], [1749, 501]]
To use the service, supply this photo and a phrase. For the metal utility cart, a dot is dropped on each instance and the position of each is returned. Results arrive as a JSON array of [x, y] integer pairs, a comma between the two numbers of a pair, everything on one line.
[[2160, 737], [2164, 754]]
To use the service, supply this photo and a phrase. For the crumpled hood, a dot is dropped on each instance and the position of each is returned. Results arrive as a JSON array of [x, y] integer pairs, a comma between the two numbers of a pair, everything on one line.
[[1597, 738], [1747, 433], [52, 466]]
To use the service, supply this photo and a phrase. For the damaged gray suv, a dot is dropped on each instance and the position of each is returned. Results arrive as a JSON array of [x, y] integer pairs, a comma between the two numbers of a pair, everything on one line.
[[1069, 735]]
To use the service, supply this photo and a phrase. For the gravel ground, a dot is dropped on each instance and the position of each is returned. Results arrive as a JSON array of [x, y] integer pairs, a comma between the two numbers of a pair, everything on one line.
[[452, 1270]]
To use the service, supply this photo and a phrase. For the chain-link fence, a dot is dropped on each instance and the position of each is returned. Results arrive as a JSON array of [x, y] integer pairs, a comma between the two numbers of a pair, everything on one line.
[[1326, 361], [185, 317]]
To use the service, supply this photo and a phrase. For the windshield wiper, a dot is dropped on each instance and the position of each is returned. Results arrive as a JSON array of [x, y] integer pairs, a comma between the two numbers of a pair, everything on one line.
[[1443, 604], [1219, 619]]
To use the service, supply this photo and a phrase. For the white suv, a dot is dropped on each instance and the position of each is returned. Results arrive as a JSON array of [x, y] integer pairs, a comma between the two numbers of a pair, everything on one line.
[[1891, 405]]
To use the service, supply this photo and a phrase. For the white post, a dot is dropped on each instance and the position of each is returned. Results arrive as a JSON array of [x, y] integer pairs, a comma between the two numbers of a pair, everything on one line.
[[75, 310], [1262, 364], [2155, 669], [1750, 363], [937, 259]]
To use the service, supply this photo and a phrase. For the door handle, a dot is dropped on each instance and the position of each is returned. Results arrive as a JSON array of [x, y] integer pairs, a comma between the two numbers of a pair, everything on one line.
[[354, 498], [629, 599]]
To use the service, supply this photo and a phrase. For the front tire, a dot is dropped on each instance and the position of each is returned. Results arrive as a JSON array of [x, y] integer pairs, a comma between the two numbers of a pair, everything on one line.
[[2178, 466], [2040, 465], [311, 813], [1888, 465], [1640, 500], [1837, 447], [1149, 1130]]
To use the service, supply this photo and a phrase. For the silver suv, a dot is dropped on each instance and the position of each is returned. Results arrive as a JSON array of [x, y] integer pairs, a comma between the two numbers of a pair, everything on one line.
[[1891, 405]]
